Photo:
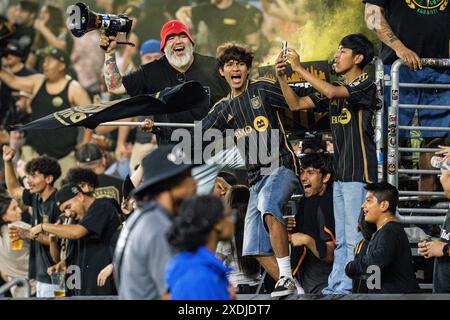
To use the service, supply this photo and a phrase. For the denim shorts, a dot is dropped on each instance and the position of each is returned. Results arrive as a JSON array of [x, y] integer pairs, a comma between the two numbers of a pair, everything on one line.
[[267, 196]]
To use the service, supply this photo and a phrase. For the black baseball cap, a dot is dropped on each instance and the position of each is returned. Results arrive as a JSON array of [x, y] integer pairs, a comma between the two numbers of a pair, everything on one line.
[[67, 192], [14, 48], [58, 54], [88, 152]]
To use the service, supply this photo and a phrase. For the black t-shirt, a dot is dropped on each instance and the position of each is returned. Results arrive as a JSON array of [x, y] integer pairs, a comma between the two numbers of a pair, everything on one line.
[[389, 250], [109, 187], [25, 35], [441, 274], [315, 218], [43, 212], [423, 26], [352, 124], [230, 24], [255, 117], [158, 75], [95, 251]]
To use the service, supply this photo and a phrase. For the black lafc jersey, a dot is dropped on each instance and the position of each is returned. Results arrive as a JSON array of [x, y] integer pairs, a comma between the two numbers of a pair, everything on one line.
[[353, 130], [254, 118]]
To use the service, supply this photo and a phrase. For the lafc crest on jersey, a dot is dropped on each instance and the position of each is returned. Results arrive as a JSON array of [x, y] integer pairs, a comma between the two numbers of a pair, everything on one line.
[[256, 102]]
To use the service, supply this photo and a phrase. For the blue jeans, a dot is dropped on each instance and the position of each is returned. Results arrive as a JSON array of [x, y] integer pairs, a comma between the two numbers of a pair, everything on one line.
[[269, 195], [432, 118], [347, 200]]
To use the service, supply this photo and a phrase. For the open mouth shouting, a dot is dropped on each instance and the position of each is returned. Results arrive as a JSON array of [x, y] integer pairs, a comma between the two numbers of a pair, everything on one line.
[[179, 49], [236, 79], [307, 187]]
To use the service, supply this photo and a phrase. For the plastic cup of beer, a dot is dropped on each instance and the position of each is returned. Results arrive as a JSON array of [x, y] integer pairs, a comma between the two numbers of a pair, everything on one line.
[[16, 243], [59, 283]]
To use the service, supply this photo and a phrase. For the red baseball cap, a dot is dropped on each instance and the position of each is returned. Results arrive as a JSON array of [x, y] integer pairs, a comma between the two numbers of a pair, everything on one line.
[[173, 27]]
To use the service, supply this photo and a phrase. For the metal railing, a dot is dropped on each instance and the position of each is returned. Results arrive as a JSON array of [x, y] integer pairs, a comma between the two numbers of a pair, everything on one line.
[[379, 123], [21, 282], [393, 149]]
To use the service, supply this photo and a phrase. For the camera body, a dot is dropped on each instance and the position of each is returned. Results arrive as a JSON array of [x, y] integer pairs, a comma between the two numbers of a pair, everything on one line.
[[83, 20]]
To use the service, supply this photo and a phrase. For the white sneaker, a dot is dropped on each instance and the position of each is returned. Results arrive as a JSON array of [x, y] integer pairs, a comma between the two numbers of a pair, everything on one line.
[[300, 289], [284, 287]]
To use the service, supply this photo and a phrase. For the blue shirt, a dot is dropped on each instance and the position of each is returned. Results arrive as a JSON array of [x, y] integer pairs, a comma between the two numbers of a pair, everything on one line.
[[197, 275]]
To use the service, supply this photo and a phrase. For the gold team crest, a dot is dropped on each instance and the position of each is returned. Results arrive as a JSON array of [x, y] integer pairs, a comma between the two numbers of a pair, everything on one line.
[[428, 7], [256, 102], [57, 102]]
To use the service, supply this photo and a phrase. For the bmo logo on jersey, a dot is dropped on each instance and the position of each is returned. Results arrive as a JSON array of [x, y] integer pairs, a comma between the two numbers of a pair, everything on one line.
[[261, 123]]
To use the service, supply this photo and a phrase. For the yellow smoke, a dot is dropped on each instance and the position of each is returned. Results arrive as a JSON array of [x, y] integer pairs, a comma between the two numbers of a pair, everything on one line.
[[318, 38]]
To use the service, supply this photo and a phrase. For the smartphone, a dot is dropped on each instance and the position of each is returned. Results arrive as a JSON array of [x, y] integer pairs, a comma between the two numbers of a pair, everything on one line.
[[284, 48]]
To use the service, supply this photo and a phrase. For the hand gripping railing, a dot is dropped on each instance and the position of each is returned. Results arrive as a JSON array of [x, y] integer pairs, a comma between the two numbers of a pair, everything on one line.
[[393, 149], [16, 282]]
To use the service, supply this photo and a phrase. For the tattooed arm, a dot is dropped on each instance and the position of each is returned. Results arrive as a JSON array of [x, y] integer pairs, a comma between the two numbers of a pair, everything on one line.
[[376, 21], [113, 78]]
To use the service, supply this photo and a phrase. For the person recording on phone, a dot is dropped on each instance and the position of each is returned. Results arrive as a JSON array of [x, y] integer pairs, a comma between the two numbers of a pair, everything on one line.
[[312, 230], [439, 249], [351, 106]]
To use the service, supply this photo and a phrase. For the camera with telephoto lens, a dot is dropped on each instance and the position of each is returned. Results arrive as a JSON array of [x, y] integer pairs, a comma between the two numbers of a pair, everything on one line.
[[81, 20]]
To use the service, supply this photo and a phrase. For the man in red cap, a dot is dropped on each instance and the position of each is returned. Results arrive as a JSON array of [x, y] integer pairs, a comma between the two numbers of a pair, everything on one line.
[[178, 64]]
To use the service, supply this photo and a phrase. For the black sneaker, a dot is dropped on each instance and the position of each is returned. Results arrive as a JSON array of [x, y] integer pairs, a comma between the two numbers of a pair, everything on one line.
[[284, 287]]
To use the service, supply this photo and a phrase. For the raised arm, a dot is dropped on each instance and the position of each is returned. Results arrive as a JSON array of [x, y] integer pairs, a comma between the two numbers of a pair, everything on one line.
[[12, 183], [49, 36], [27, 84], [376, 21], [327, 89], [113, 78], [294, 102]]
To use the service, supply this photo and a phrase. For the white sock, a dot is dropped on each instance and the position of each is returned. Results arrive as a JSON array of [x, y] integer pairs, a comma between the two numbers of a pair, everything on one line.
[[284, 264]]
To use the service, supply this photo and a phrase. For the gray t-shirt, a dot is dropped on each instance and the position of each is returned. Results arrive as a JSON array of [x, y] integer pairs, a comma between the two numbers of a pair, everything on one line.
[[146, 254]]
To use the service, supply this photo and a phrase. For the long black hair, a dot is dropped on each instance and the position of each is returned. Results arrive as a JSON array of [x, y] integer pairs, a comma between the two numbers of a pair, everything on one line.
[[5, 202], [191, 228], [237, 198]]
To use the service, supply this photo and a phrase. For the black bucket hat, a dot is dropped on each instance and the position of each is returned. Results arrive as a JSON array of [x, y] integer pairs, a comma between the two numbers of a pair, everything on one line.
[[166, 162]]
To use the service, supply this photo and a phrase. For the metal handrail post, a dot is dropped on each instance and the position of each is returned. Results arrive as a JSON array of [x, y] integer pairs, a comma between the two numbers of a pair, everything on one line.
[[379, 123], [393, 114]]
